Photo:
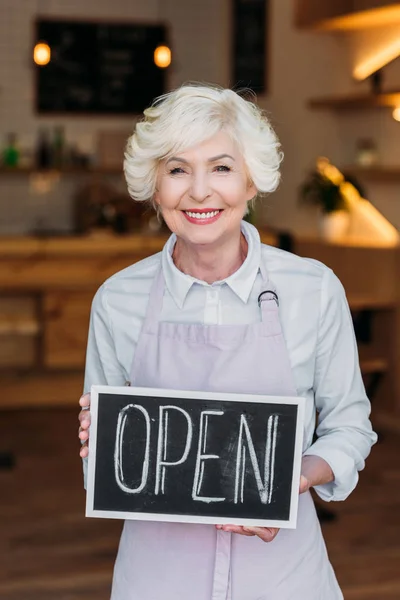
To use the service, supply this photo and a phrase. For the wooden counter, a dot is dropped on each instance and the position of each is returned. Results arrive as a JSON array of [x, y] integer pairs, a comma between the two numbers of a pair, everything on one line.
[[47, 286], [70, 263]]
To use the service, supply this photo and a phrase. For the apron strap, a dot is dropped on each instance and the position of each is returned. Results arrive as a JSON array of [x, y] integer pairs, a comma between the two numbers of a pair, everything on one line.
[[268, 299]]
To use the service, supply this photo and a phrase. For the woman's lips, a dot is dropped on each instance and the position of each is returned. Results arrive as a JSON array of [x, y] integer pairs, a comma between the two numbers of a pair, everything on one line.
[[202, 217]]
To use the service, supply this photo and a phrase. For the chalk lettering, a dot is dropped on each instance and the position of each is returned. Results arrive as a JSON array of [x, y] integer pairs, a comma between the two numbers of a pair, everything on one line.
[[265, 488], [119, 439], [201, 457], [162, 445]]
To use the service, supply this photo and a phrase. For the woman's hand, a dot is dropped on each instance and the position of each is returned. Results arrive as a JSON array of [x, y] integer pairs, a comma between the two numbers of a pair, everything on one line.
[[84, 420], [315, 471]]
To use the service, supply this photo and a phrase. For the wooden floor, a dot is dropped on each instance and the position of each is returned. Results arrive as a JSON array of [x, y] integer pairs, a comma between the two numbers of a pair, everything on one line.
[[48, 550]]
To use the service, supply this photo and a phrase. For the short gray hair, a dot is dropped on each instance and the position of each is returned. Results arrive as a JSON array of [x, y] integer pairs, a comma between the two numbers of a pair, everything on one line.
[[190, 115]]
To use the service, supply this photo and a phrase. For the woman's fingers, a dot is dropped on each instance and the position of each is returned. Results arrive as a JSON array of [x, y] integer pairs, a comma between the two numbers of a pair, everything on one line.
[[84, 415], [304, 484], [84, 421], [84, 400], [235, 529], [266, 534], [84, 451], [83, 434]]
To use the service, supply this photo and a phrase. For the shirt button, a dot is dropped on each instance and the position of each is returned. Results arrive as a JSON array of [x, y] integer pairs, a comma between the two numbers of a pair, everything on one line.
[[212, 296]]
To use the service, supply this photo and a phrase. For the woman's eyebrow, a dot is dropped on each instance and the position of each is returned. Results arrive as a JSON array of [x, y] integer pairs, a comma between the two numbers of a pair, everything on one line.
[[177, 159], [210, 160], [219, 156]]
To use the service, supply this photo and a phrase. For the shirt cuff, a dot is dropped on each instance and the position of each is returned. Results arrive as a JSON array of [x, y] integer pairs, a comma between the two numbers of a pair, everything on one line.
[[344, 470]]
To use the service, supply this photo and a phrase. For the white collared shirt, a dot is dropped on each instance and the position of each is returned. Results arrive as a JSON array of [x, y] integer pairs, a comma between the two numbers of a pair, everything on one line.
[[316, 324]]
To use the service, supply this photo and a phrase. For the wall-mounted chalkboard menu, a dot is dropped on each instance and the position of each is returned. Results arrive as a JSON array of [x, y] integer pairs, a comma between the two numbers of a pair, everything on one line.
[[250, 44], [194, 457], [98, 67]]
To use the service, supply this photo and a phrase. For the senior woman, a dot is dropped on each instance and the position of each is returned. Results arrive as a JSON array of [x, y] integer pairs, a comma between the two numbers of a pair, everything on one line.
[[189, 318]]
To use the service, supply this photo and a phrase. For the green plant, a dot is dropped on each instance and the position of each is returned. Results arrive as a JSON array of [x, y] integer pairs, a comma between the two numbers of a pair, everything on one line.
[[319, 190]]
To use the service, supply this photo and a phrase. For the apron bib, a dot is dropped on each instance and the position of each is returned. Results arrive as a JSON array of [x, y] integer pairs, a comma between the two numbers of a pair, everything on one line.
[[177, 561]]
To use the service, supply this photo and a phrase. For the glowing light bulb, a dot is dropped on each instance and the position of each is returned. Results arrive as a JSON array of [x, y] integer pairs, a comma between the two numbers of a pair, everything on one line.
[[42, 54], [396, 114], [162, 57]]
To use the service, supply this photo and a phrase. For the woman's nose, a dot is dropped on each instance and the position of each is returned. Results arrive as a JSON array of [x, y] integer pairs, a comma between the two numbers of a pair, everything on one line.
[[199, 189]]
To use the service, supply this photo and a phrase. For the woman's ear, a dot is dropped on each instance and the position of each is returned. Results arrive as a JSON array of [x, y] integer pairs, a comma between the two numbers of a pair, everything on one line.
[[251, 190]]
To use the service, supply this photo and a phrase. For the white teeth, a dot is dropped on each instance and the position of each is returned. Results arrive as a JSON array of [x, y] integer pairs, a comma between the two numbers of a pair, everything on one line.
[[207, 215]]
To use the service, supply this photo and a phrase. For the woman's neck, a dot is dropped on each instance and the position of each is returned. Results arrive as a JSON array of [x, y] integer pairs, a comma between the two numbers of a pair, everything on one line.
[[208, 262]]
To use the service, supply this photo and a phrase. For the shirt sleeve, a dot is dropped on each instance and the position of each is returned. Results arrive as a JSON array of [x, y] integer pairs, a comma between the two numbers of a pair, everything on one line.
[[102, 365], [344, 431]]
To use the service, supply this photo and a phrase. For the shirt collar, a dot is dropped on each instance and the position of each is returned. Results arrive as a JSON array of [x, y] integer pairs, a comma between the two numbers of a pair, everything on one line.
[[241, 282]]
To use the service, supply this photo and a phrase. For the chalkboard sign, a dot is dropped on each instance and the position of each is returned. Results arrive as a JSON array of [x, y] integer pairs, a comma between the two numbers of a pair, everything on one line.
[[98, 67], [250, 44], [165, 455]]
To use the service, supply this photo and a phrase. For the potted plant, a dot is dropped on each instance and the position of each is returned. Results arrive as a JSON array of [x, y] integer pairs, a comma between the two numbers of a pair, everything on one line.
[[324, 188]]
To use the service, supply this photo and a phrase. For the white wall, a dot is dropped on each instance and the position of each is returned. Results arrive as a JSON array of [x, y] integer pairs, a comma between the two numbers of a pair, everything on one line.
[[301, 65]]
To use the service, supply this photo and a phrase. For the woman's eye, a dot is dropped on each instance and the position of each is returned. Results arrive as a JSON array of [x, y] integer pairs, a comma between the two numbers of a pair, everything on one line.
[[223, 169], [176, 171]]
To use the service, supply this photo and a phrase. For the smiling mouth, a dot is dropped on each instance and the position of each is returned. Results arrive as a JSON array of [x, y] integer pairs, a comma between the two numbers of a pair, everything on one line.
[[202, 215]]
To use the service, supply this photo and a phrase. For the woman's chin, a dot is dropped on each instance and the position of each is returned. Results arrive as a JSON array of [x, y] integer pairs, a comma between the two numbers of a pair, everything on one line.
[[202, 234]]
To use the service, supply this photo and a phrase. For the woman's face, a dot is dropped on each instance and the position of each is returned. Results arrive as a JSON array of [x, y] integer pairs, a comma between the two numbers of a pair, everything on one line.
[[203, 192]]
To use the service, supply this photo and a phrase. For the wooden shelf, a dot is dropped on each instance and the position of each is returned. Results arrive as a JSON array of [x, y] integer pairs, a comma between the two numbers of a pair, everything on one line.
[[352, 21], [373, 365], [377, 173], [18, 325], [63, 171], [357, 101], [357, 303]]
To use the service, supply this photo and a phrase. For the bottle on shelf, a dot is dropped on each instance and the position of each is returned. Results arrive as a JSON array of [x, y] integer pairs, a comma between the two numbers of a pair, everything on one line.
[[11, 153], [58, 147], [43, 154], [366, 152]]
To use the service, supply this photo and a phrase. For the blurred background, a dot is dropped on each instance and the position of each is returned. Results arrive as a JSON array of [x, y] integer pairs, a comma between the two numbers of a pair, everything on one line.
[[74, 78]]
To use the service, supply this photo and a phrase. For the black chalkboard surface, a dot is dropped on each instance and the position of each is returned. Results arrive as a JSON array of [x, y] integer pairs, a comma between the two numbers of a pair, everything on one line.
[[196, 457], [98, 67]]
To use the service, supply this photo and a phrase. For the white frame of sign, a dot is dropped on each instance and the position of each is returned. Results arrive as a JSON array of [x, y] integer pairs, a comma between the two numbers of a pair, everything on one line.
[[289, 523]]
